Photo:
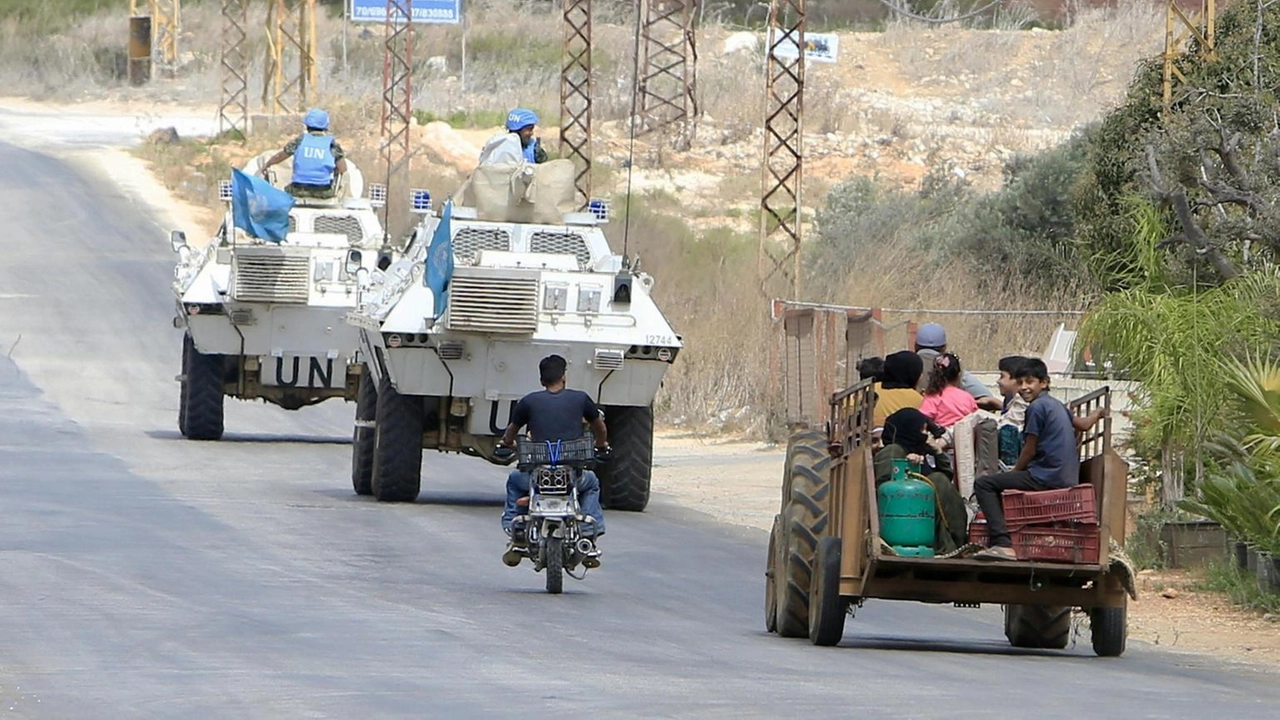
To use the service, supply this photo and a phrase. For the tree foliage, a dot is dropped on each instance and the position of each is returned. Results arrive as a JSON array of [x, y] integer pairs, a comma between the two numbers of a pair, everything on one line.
[[1211, 164]]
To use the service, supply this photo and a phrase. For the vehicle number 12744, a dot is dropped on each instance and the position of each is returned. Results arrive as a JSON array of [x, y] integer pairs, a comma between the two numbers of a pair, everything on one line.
[[659, 340]]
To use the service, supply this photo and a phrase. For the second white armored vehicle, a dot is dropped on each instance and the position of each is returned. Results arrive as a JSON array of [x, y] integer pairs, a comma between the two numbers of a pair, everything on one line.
[[265, 320], [528, 281]]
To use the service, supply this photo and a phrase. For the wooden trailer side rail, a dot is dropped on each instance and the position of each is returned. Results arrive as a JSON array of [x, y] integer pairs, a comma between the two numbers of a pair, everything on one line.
[[865, 573]]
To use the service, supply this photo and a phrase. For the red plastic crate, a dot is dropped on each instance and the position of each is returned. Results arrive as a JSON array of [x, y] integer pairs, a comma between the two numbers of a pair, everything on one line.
[[1074, 504], [1064, 542], [978, 533]]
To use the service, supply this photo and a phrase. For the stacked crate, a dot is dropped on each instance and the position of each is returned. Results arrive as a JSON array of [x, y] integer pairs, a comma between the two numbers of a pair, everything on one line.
[[1049, 525]]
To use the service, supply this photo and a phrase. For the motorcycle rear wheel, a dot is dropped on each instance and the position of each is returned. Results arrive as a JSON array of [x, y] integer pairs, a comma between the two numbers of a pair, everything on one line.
[[554, 549]]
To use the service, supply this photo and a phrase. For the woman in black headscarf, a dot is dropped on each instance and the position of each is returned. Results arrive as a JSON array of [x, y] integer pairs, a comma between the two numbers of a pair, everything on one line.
[[908, 434], [897, 387]]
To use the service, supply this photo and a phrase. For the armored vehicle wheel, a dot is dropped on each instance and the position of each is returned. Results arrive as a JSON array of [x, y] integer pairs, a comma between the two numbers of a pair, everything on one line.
[[397, 453], [182, 392], [624, 480], [555, 565], [201, 403], [362, 437], [804, 519], [826, 607], [1037, 626], [1109, 629]]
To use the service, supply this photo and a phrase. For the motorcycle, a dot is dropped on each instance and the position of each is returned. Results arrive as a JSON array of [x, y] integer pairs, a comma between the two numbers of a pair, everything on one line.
[[554, 538]]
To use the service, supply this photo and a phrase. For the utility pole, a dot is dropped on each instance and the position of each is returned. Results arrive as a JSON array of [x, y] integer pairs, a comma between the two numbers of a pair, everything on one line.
[[668, 67], [233, 106], [575, 93], [290, 73], [166, 24], [783, 162], [397, 108], [1179, 27]]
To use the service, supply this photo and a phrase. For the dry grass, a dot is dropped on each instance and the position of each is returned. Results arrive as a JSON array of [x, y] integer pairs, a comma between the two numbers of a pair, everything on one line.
[[706, 276], [1069, 79]]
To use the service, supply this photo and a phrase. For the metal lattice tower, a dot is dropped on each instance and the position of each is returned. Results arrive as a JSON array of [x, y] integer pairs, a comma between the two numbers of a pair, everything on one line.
[[233, 108], [290, 72], [166, 24], [1179, 27], [397, 106], [782, 168], [668, 80], [575, 93]]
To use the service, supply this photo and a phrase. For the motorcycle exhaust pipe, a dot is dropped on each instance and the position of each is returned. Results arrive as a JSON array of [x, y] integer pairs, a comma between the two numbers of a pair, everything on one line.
[[584, 546]]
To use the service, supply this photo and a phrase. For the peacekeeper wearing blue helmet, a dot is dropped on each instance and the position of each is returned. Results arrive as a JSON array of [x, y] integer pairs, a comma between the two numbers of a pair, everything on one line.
[[522, 122], [318, 159]]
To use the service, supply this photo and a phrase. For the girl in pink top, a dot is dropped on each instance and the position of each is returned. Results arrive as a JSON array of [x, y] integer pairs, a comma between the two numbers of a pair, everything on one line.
[[944, 402]]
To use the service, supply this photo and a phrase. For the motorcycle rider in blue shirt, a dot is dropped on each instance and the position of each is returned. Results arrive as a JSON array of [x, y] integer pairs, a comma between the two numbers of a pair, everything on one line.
[[318, 159], [554, 413]]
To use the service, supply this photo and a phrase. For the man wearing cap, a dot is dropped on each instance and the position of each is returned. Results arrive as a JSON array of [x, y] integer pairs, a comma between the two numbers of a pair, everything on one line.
[[931, 341], [318, 159], [554, 413]]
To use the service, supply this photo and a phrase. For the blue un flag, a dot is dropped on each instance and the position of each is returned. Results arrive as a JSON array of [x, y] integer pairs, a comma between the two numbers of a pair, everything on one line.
[[440, 261], [259, 208]]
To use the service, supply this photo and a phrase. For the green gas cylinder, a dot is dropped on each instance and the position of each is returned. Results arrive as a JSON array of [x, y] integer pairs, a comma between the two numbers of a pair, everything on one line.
[[908, 513]]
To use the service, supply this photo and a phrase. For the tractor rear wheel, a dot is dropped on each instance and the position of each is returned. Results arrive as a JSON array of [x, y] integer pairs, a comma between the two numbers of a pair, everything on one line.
[[1045, 627], [804, 522]]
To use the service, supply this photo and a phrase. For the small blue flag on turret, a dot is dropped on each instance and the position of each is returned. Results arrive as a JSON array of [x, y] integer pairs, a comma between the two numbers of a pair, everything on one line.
[[259, 208], [439, 268]]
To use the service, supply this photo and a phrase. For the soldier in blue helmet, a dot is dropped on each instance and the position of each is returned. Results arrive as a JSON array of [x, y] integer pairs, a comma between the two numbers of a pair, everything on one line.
[[318, 159], [522, 122]]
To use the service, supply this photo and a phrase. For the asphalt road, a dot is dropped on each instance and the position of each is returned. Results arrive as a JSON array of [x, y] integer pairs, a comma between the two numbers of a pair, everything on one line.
[[142, 575]]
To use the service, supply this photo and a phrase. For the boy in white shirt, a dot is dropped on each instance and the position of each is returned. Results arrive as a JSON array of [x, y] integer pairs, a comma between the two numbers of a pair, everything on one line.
[[1014, 413]]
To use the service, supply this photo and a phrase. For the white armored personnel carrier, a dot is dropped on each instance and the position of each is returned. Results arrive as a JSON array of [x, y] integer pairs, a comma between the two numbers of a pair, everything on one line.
[[529, 280], [265, 320]]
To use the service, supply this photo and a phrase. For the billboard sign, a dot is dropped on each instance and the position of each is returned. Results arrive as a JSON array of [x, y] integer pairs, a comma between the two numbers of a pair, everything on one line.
[[424, 11], [818, 47]]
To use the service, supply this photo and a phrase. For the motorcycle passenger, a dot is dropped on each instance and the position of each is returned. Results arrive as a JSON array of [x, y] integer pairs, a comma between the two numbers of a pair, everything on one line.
[[554, 413], [318, 159]]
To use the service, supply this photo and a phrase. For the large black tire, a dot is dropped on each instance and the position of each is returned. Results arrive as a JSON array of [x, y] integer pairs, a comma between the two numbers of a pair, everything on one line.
[[624, 480], [362, 438], [826, 607], [201, 393], [1037, 626], [397, 453], [804, 521], [182, 389], [1108, 627], [770, 578], [555, 565]]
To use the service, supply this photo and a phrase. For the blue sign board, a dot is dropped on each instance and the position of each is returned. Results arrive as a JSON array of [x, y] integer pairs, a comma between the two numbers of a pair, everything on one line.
[[424, 11]]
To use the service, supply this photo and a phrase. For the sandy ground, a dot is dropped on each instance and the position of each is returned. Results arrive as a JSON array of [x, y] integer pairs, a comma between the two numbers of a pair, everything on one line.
[[732, 481]]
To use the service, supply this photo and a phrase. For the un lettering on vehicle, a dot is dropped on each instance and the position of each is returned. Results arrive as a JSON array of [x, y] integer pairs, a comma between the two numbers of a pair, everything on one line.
[[303, 371]]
